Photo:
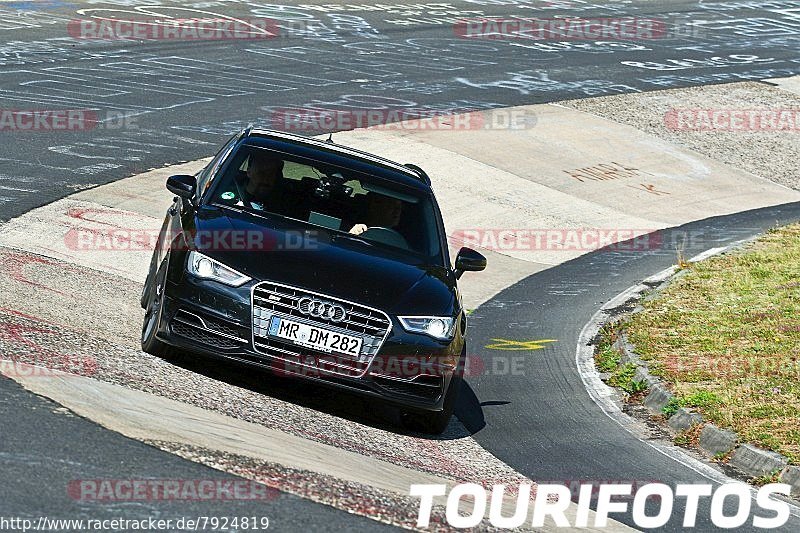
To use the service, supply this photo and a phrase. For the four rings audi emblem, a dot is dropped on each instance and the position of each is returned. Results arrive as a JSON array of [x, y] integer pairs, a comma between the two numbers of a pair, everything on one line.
[[321, 309]]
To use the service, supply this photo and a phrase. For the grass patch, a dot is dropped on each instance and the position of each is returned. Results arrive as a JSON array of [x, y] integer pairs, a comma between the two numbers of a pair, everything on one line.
[[607, 359], [726, 336], [773, 477], [700, 398], [672, 407], [723, 457], [622, 377], [689, 437]]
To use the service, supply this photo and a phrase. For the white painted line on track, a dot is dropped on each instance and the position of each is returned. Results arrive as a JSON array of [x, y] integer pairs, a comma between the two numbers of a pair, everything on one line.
[[708, 253]]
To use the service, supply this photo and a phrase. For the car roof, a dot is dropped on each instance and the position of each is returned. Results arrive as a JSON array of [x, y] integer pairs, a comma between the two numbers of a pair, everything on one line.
[[337, 154]]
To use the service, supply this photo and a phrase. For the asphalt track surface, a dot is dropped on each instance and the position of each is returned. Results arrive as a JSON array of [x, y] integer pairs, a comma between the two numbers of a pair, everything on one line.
[[180, 101]]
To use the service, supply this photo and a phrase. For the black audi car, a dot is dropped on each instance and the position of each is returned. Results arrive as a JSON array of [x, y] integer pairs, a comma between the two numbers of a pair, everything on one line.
[[316, 261]]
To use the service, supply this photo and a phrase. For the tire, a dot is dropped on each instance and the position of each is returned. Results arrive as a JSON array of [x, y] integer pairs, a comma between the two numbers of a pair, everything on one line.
[[152, 299], [148, 282], [145, 296], [434, 423]]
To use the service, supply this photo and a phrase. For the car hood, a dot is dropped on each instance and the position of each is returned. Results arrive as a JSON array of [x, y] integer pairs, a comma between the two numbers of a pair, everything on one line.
[[316, 259]]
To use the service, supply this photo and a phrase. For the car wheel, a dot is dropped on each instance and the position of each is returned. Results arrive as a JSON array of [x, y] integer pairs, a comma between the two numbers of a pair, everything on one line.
[[145, 296], [436, 423], [153, 300]]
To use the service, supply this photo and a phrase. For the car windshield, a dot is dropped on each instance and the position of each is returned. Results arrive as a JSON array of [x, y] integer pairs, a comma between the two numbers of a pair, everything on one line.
[[344, 201]]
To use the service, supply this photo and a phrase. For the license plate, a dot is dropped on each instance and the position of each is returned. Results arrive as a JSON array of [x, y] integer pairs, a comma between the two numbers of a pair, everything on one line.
[[320, 339]]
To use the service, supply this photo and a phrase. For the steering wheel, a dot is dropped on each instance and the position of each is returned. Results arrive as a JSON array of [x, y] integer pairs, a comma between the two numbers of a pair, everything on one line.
[[386, 236]]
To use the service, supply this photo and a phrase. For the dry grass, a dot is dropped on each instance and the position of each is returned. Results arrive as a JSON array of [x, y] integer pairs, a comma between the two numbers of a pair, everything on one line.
[[727, 337]]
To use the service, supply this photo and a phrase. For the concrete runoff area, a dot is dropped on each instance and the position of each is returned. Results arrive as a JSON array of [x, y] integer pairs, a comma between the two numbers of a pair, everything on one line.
[[484, 180], [792, 83], [131, 413], [752, 126], [571, 170]]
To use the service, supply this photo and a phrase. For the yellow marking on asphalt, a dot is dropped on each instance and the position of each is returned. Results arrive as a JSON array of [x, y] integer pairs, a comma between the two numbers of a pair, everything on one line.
[[510, 345]]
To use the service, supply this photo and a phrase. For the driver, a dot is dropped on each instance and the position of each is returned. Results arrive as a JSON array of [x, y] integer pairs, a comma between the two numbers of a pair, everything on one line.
[[264, 174], [382, 211]]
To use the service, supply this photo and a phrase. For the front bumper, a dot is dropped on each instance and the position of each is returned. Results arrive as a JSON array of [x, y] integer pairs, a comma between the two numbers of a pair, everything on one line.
[[205, 317]]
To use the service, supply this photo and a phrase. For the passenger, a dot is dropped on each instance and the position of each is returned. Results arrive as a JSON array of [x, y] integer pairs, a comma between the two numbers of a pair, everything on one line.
[[382, 211]]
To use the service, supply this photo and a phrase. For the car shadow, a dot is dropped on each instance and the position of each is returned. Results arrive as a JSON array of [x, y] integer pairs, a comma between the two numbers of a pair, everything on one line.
[[469, 409], [343, 404]]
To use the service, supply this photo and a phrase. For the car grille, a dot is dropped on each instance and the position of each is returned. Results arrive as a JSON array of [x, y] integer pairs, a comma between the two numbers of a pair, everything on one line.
[[273, 299], [206, 330]]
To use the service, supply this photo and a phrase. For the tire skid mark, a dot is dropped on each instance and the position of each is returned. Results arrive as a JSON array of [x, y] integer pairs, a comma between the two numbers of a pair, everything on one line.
[[83, 213], [20, 343], [15, 263]]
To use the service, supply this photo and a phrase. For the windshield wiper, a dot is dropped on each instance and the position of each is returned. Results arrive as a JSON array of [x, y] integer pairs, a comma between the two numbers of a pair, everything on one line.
[[352, 237], [226, 206]]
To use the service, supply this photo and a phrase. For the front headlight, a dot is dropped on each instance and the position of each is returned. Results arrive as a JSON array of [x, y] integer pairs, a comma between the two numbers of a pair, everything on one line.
[[204, 267], [438, 327]]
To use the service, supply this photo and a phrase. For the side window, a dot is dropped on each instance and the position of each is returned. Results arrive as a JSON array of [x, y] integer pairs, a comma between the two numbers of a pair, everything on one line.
[[205, 177]]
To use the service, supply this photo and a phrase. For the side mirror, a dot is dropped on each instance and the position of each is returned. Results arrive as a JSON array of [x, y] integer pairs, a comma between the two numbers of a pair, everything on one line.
[[182, 185], [468, 260]]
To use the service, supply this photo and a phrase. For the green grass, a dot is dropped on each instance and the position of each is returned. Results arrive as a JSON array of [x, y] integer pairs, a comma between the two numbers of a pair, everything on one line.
[[726, 336], [672, 407], [622, 377], [700, 398], [773, 477], [607, 360]]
